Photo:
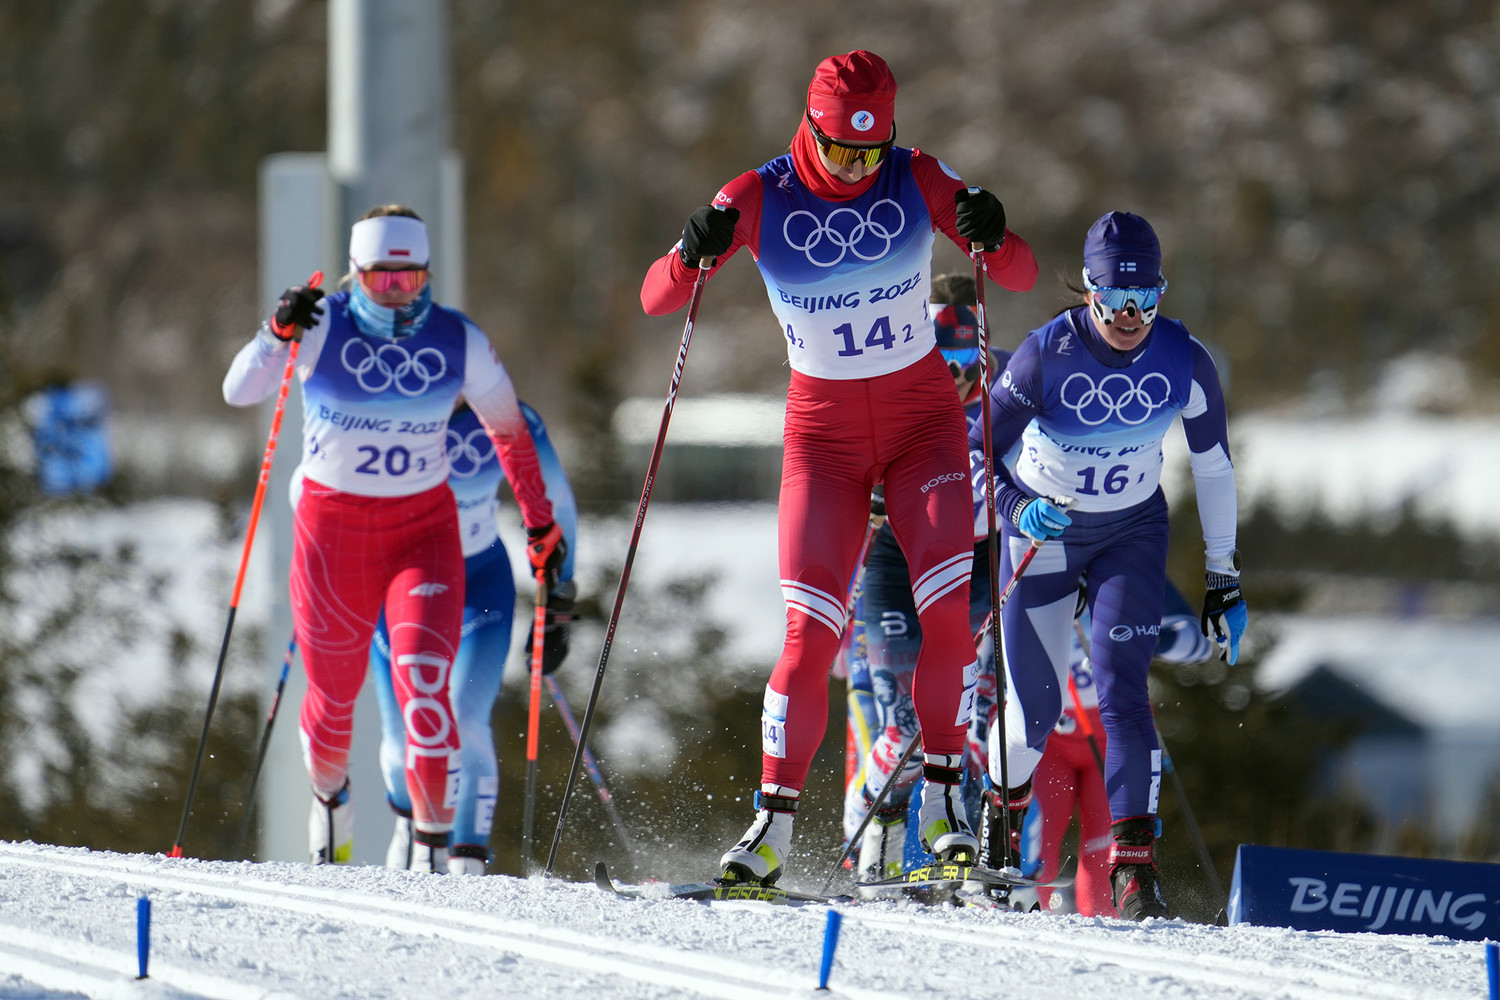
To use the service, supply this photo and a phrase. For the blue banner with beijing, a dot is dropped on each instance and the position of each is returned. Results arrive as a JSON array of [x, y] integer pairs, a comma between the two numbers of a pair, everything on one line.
[[1329, 891]]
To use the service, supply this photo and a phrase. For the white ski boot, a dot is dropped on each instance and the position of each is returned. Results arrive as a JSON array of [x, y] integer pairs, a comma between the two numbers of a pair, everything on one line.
[[330, 828], [763, 849], [429, 852], [467, 859], [882, 847], [943, 821], [398, 854]]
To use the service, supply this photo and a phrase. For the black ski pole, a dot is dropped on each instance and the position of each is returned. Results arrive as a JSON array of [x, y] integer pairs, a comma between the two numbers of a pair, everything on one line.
[[239, 582], [885, 791], [981, 269], [265, 741], [592, 766], [705, 264]]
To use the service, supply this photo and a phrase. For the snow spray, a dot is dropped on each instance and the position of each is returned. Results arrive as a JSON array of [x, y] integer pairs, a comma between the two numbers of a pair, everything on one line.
[[143, 934], [831, 942]]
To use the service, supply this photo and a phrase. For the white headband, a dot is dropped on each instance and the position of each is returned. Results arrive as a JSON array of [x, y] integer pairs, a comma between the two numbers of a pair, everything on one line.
[[388, 239]]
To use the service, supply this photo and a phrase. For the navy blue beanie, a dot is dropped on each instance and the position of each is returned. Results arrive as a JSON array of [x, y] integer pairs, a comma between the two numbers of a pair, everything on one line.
[[1121, 251], [956, 327]]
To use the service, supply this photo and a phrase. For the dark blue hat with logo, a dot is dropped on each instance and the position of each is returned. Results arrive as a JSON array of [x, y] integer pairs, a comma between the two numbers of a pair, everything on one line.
[[1122, 251]]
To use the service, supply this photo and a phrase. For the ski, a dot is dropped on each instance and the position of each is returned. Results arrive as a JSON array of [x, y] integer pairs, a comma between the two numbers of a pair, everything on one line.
[[710, 891], [947, 881]]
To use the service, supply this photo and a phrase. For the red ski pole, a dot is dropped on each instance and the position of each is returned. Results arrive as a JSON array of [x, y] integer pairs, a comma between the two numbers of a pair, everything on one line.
[[239, 580], [534, 715]]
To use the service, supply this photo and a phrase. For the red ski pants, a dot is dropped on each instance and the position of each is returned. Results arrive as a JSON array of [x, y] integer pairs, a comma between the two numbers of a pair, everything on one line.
[[351, 555], [1068, 778], [907, 430]]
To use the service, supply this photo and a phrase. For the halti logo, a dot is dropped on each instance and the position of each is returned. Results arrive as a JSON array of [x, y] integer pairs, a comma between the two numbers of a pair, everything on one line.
[[1124, 633], [1350, 899], [863, 121], [428, 589]]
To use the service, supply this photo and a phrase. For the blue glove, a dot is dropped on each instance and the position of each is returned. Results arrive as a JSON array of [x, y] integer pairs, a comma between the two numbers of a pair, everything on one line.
[[1040, 520], [1225, 611]]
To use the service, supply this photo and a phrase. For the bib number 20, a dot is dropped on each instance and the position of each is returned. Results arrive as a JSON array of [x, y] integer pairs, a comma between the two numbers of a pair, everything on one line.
[[394, 461]]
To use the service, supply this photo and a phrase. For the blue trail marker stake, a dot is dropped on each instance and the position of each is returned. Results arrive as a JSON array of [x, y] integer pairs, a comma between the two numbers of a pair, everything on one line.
[[142, 933], [1492, 959], [831, 942]]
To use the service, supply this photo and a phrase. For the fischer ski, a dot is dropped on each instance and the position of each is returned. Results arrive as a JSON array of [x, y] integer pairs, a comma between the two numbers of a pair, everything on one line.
[[710, 891], [949, 881]]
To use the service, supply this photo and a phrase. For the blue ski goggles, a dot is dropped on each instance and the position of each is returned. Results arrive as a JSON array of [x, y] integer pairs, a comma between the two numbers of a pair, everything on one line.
[[963, 363], [1109, 300]]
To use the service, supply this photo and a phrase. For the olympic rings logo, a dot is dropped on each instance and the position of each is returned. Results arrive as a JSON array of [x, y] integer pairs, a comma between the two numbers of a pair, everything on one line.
[[391, 365], [468, 453], [845, 231], [1116, 397]]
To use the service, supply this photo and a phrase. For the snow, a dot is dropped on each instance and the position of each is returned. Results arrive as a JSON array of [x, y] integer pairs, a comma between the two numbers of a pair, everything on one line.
[[283, 931]]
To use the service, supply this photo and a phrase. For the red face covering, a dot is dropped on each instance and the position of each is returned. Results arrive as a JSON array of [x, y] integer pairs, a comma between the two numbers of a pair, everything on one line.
[[853, 99]]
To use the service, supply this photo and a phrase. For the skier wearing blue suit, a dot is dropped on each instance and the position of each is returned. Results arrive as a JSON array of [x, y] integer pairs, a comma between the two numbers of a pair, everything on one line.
[[1089, 398], [489, 609]]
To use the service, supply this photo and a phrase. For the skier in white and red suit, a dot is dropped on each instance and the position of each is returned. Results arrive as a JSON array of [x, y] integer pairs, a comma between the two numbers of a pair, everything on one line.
[[381, 367], [842, 228]]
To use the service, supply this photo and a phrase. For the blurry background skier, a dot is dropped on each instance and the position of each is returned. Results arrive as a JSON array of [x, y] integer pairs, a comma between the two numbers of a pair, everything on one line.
[[892, 631], [842, 228], [475, 476], [382, 367], [1089, 397]]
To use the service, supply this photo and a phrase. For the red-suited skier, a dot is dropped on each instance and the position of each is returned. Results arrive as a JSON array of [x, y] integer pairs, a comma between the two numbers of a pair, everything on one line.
[[842, 228], [382, 367]]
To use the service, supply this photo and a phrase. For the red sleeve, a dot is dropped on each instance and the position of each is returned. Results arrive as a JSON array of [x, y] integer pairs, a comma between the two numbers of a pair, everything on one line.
[[669, 282], [1012, 267]]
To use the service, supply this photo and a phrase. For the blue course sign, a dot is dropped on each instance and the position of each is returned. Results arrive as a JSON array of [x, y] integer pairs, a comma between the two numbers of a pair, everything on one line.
[[1329, 891]]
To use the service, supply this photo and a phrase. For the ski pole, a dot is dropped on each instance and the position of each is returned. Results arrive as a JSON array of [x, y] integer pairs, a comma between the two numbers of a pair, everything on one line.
[[592, 766], [1205, 860], [705, 264], [265, 741], [885, 791], [981, 270], [239, 580], [1084, 720], [534, 715]]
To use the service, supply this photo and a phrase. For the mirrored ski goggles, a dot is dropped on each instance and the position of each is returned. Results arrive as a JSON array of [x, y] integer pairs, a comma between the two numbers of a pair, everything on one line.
[[410, 280], [843, 155], [1109, 299], [963, 363]]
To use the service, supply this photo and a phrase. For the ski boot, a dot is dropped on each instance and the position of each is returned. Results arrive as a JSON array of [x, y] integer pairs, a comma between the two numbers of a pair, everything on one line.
[[993, 828], [429, 851], [883, 844], [942, 821], [398, 854], [467, 859], [1134, 881], [330, 828], [763, 849]]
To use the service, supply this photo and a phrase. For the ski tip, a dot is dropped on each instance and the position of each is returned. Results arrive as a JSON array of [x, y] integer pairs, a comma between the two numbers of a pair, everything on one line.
[[601, 877]]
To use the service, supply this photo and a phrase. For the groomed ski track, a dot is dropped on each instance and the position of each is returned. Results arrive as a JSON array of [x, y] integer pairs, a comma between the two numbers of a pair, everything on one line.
[[283, 931]]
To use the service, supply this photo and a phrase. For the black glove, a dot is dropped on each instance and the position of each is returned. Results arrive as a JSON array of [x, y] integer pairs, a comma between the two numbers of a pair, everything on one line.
[[981, 217], [298, 308], [1225, 617], [708, 233], [559, 627]]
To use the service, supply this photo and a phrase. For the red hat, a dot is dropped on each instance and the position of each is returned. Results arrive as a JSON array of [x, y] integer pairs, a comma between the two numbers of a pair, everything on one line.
[[853, 98]]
